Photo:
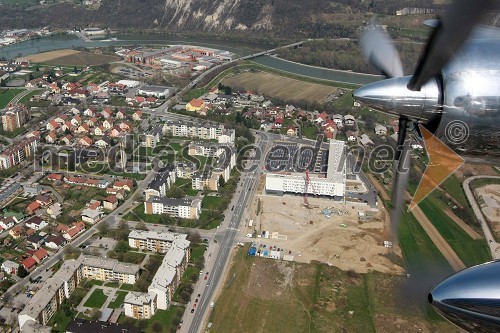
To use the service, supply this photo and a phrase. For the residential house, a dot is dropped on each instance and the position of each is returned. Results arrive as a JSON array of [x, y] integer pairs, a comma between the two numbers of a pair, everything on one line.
[[89, 113], [380, 129], [107, 124], [7, 222], [137, 116], [40, 255], [104, 142], [291, 131], [36, 223], [366, 141], [85, 141], [55, 177], [338, 119], [349, 120], [35, 241], [92, 215], [83, 129], [29, 263], [106, 113], [350, 135], [55, 242], [55, 210], [110, 202], [99, 130], [67, 140], [195, 105], [43, 199], [76, 121], [32, 208], [120, 114], [51, 138], [126, 184], [10, 267], [52, 125]]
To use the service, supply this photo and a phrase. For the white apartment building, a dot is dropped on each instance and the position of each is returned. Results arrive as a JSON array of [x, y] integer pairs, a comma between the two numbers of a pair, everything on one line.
[[53, 292], [153, 241], [140, 305], [332, 184], [205, 131], [184, 208], [106, 269]]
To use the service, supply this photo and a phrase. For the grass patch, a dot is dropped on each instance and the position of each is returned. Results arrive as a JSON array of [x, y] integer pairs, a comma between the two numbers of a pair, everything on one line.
[[211, 202], [120, 297], [480, 182], [453, 187], [127, 286], [137, 214], [113, 284], [96, 300], [91, 283], [6, 95], [472, 252]]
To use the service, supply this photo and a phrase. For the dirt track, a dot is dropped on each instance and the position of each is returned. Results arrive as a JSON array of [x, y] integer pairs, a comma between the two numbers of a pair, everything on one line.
[[471, 232]]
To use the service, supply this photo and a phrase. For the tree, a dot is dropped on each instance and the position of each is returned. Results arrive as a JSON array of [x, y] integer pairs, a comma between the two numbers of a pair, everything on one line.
[[103, 228], [31, 76], [22, 272], [141, 226], [75, 69], [157, 327], [122, 246], [3, 84], [175, 192], [221, 182], [95, 314]]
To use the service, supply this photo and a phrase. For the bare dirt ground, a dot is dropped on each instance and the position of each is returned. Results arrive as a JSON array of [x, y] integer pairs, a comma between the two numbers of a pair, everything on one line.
[[490, 195], [72, 58], [340, 240], [279, 86], [51, 55]]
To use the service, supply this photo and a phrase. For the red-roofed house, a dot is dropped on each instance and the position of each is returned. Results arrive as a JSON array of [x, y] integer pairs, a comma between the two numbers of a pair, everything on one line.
[[110, 202], [137, 115], [83, 128], [55, 177], [40, 255], [51, 137], [52, 125], [16, 232], [32, 207], [29, 263], [278, 122], [195, 105], [85, 141], [126, 184]]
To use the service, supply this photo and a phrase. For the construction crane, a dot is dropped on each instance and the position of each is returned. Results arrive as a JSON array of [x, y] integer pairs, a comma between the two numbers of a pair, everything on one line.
[[308, 183]]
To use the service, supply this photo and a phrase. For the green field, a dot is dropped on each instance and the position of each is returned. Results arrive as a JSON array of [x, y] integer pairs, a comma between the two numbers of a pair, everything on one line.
[[96, 300], [483, 182], [210, 202], [120, 296], [6, 95], [453, 187], [472, 252]]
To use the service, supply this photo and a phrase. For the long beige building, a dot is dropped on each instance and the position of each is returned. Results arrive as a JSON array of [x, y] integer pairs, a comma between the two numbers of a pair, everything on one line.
[[166, 279], [153, 241], [106, 269], [53, 292]]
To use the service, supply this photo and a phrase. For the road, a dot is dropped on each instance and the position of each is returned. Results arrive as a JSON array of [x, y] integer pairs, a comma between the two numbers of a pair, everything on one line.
[[494, 246], [220, 252]]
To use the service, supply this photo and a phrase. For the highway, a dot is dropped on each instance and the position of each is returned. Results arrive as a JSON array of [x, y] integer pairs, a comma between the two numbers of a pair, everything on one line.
[[225, 236]]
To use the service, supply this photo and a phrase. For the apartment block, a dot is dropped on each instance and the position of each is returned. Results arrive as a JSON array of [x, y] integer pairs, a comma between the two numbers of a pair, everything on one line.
[[205, 131], [106, 269], [14, 116], [18, 152], [189, 208], [165, 281], [159, 186], [53, 292], [153, 241]]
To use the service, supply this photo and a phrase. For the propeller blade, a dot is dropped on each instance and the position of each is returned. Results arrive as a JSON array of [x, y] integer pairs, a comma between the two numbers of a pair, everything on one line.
[[379, 50], [451, 31], [401, 172]]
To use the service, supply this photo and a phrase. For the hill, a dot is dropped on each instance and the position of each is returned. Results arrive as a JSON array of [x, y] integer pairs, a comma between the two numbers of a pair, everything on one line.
[[271, 18]]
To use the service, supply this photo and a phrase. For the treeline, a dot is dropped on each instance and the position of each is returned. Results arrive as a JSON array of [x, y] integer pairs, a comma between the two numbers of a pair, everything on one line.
[[346, 55]]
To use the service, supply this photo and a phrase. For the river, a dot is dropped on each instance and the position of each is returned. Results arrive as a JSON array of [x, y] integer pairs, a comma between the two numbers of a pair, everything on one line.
[[64, 41]]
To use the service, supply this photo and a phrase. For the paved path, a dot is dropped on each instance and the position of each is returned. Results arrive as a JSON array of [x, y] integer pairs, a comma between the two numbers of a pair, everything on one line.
[[494, 246], [438, 240]]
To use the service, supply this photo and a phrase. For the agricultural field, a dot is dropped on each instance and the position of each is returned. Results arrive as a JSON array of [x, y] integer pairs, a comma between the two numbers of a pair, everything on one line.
[[72, 58], [279, 86], [6, 95], [264, 295]]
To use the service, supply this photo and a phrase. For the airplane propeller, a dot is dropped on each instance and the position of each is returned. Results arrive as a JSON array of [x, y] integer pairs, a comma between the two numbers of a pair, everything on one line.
[[378, 49]]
